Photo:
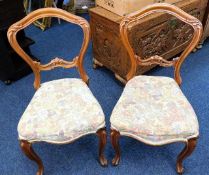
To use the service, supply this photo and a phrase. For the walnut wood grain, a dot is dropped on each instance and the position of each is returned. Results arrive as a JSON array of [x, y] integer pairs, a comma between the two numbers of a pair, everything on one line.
[[102, 134], [115, 136], [30, 153], [135, 17], [187, 151], [37, 67]]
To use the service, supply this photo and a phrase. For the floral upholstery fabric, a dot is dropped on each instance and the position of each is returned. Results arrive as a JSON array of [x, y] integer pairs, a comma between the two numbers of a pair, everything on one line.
[[61, 111], [155, 111]]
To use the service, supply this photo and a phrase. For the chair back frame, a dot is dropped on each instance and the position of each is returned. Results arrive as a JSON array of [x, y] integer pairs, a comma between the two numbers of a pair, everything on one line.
[[37, 67], [133, 18]]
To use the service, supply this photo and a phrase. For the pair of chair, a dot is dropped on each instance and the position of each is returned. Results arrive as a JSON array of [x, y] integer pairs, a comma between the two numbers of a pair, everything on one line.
[[151, 109]]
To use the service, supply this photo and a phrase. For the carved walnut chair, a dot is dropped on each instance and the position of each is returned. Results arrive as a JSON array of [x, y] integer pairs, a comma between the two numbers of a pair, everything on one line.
[[153, 109], [63, 110]]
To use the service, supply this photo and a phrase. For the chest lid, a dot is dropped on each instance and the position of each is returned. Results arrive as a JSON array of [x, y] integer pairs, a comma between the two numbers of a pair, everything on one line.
[[124, 7]]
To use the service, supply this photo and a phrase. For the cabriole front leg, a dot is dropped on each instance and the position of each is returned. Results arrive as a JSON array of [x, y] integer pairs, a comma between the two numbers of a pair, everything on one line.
[[102, 134], [115, 135], [187, 151], [30, 153]]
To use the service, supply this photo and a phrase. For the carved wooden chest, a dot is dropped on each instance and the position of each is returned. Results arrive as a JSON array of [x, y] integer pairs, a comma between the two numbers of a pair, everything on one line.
[[159, 34], [124, 7], [206, 24]]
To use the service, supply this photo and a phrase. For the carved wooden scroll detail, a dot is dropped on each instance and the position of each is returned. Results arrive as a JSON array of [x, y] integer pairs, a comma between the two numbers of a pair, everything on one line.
[[57, 62], [155, 60], [134, 18]]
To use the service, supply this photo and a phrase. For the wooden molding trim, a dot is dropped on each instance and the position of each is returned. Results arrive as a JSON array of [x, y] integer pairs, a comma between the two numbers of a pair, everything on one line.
[[133, 19], [57, 62]]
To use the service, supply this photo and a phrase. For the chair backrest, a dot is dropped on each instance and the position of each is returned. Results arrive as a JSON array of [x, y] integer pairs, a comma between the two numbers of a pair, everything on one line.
[[56, 62], [134, 18]]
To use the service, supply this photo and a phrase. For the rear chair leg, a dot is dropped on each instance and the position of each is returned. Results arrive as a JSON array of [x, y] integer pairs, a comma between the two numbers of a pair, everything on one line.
[[187, 151], [115, 135], [101, 133], [30, 153]]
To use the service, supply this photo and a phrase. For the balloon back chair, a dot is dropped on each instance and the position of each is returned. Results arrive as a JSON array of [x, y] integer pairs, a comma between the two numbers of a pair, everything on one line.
[[153, 109], [63, 110]]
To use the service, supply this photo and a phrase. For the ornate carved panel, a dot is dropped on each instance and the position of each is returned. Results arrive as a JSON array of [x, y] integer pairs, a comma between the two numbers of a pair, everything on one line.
[[159, 34], [160, 39], [206, 23], [106, 46]]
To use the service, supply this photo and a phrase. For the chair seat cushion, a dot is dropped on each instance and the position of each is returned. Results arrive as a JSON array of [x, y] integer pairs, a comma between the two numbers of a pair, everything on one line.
[[154, 110], [60, 112]]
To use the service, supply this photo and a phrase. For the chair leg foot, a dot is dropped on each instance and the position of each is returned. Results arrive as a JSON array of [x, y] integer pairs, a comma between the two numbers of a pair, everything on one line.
[[102, 134], [30, 153], [119, 78], [187, 151], [96, 64], [115, 135]]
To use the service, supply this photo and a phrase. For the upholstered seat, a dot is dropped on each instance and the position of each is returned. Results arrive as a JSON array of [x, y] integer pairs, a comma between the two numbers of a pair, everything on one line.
[[61, 111], [155, 111]]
